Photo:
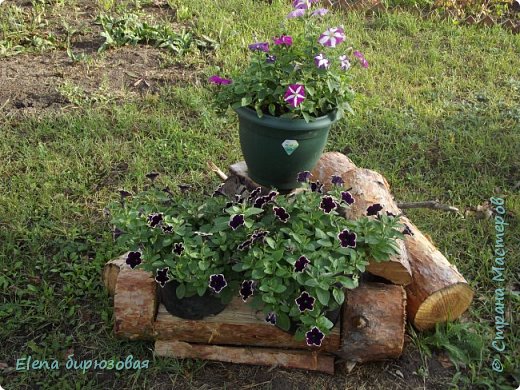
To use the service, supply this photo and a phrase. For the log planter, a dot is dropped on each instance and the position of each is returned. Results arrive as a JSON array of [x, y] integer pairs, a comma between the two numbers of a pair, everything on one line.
[[419, 285]]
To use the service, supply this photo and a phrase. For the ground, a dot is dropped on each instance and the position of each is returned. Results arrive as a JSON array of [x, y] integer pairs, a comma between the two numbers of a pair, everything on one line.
[[437, 115]]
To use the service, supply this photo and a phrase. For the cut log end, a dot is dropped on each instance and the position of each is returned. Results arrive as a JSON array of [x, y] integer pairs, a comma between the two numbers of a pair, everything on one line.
[[444, 305]]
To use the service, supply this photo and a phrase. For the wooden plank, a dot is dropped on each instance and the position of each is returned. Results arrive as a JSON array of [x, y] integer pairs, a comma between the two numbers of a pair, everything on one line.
[[247, 355], [238, 324]]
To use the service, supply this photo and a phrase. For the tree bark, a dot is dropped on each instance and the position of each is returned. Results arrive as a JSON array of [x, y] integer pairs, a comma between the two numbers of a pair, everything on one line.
[[374, 317]]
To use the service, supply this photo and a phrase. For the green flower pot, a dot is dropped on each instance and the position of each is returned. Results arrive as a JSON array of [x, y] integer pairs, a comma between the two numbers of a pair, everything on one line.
[[276, 149]]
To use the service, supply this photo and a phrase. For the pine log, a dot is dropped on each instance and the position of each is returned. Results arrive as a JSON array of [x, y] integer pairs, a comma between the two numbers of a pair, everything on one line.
[[135, 299], [237, 324], [438, 292], [261, 356], [374, 318]]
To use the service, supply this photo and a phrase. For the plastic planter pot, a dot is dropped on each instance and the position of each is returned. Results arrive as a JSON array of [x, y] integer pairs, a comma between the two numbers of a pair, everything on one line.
[[276, 149], [191, 308]]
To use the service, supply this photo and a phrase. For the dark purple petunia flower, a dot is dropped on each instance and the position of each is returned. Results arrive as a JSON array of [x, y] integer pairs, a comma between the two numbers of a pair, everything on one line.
[[218, 190], [154, 219], [245, 245], [271, 318], [259, 46], [228, 205], [317, 187], [246, 289], [314, 337], [217, 282], [390, 214], [134, 259], [124, 194], [337, 180], [259, 235], [270, 59], [254, 193], [261, 201], [328, 204], [152, 176], [347, 239], [236, 221], [271, 195], [167, 229], [305, 301], [374, 209], [178, 248], [281, 214], [407, 230], [347, 197], [162, 276], [239, 199], [303, 177], [301, 264]]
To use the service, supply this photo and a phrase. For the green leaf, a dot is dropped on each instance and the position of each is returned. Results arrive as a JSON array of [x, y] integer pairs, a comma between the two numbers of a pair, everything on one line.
[[270, 242], [320, 234], [339, 295], [324, 323], [325, 243], [180, 291], [279, 288], [323, 296], [311, 283], [283, 321]]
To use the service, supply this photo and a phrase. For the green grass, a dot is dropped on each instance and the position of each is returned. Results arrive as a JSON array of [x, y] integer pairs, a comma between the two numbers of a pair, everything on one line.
[[437, 114]]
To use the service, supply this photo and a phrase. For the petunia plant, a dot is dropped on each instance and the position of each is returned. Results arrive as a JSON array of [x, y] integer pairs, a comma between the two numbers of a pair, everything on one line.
[[304, 71]]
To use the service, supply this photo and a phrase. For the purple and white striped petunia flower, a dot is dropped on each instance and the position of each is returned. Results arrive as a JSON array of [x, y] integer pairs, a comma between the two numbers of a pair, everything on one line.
[[347, 197], [347, 239], [271, 318], [217, 282], [362, 59], [178, 248], [246, 289], [303, 177], [320, 12], [133, 259], [270, 59], [314, 337], [301, 264], [297, 13], [281, 214], [259, 46], [328, 204], [332, 37], [295, 94], [162, 277], [219, 80], [236, 221], [285, 40], [305, 301], [321, 62], [337, 180], [374, 209], [344, 62]]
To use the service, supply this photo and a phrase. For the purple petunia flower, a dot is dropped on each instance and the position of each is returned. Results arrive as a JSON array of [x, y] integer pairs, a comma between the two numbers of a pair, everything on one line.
[[271, 318], [270, 59], [217, 282], [285, 40], [281, 214], [302, 4], [390, 214], [407, 230], [314, 337], [305, 302], [332, 37], [236, 221], [218, 190], [259, 235], [167, 229], [178, 248], [374, 209], [259, 46], [253, 194], [133, 259], [317, 187], [320, 12], [246, 289], [328, 204], [297, 13], [344, 62], [362, 59], [347, 239], [162, 277], [303, 177], [337, 180], [154, 219], [219, 80], [261, 201], [295, 94], [301, 264], [347, 197], [245, 245], [321, 62]]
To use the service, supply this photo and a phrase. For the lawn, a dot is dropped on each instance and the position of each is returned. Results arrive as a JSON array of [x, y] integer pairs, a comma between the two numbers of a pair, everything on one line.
[[437, 113]]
